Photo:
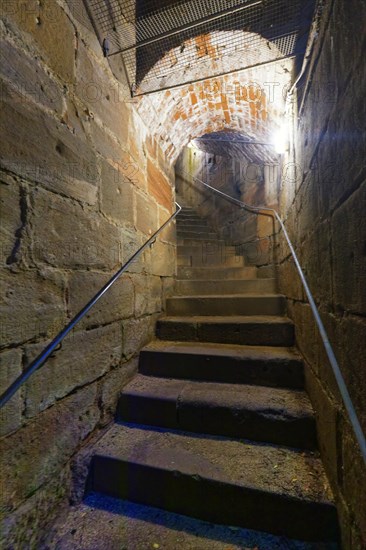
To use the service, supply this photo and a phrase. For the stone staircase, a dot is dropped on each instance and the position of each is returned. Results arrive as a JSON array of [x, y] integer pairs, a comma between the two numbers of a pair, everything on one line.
[[216, 425]]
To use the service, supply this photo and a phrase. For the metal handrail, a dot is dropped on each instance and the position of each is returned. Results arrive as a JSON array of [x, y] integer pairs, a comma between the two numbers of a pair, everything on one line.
[[263, 210], [40, 360]]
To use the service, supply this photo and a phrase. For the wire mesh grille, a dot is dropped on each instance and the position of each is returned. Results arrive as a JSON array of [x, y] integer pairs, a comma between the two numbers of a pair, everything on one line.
[[161, 40]]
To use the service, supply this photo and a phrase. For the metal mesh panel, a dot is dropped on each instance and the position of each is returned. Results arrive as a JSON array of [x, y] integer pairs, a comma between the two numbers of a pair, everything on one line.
[[144, 32]]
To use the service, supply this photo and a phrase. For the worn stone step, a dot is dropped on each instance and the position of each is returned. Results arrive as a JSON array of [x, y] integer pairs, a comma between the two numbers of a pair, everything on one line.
[[197, 233], [187, 240], [210, 259], [205, 233], [205, 273], [253, 330], [203, 287], [186, 217], [200, 236], [107, 523], [271, 415], [258, 486], [250, 304], [266, 366], [194, 231], [199, 249], [191, 221]]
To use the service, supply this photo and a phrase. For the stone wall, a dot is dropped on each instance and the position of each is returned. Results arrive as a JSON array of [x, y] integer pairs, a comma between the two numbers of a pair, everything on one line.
[[324, 209], [254, 183], [83, 185]]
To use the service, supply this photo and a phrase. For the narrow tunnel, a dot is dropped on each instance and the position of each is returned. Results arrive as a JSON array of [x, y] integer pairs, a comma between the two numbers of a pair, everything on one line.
[[182, 351]]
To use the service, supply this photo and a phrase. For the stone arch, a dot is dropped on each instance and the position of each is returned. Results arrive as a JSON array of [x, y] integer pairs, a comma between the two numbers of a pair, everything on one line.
[[250, 102]]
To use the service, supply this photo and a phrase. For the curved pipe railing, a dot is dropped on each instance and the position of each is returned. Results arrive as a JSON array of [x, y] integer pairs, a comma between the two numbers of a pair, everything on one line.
[[40, 360], [262, 210]]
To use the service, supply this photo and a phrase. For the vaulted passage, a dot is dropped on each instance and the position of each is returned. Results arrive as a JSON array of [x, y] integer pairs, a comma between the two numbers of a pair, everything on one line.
[[182, 352]]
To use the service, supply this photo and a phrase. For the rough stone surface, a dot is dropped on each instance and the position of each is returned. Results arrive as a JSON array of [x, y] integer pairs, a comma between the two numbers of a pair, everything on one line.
[[117, 196], [146, 215], [255, 304], [117, 303], [148, 293], [54, 156], [162, 259], [29, 78], [24, 320], [348, 252], [258, 413], [169, 234], [130, 244], [84, 357], [106, 523], [112, 385], [102, 94], [253, 330], [46, 26], [11, 222], [267, 366], [10, 369], [44, 446], [66, 235], [137, 333], [22, 528], [221, 469], [159, 186], [353, 483]]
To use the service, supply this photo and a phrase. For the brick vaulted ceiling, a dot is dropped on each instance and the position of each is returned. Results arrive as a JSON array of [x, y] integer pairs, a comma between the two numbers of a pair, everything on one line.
[[249, 102], [199, 67]]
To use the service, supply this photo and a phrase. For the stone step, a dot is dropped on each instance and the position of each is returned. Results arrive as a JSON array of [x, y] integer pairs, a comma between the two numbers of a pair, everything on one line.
[[191, 221], [191, 232], [201, 287], [201, 234], [188, 214], [220, 480], [205, 260], [205, 273], [251, 331], [102, 522], [272, 415], [233, 364], [263, 304], [187, 218], [195, 230], [201, 240], [200, 249]]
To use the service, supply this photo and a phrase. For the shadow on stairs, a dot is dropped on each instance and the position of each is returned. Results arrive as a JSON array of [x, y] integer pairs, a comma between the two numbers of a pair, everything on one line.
[[214, 444]]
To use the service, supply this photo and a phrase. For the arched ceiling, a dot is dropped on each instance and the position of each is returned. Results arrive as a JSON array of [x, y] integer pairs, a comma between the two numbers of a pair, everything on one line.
[[198, 67], [250, 102]]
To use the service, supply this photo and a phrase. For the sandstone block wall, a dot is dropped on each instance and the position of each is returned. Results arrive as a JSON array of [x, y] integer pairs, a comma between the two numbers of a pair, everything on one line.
[[324, 211], [83, 184]]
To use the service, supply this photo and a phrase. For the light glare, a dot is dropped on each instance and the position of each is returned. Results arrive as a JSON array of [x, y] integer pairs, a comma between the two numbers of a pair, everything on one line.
[[280, 140]]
